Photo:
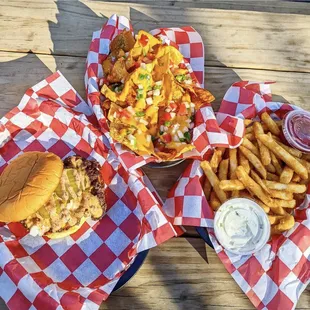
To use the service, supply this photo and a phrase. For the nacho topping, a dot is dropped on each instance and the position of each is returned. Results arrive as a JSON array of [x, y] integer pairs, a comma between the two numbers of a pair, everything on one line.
[[151, 98]]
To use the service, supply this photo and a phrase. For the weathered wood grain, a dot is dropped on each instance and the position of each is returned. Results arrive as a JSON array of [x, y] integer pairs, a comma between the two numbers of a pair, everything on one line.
[[273, 6], [233, 38], [20, 71], [176, 276]]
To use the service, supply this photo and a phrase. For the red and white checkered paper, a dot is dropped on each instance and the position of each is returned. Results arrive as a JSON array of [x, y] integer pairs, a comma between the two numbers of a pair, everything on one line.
[[79, 271], [274, 277], [208, 131]]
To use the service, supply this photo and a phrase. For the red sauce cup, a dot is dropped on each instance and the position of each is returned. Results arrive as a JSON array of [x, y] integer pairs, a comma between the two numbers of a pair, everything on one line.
[[296, 129]]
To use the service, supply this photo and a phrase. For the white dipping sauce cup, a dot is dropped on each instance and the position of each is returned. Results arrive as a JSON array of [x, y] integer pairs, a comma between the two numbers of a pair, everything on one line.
[[241, 226]]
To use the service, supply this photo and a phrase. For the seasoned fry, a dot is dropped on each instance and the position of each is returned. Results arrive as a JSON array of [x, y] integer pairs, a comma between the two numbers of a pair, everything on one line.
[[291, 187], [243, 161], [284, 195], [254, 160], [207, 188], [281, 153], [272, 177], [278, 210], [293, 152], [250, 136], [285, 203], [259, 181], [270, 168], [223, 169], [276, 164], [272, 126], [231, 185], [263, 150], [274, 219], [232, 161], [249, 145], [214, 201], [286, 175], [247, 122], [264, 153], [305, 164], [216, 159], [295, 178], [249, 129], [249, 183], [285, 223], [212, 177]]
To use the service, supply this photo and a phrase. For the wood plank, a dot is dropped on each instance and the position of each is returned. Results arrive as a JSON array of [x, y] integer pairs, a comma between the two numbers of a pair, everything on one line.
[[272, 6], [176, 276], [20, 71], [231, 37]]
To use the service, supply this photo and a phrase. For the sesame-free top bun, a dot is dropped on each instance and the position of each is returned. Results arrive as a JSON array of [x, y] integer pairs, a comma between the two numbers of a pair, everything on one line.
[[27, 183]]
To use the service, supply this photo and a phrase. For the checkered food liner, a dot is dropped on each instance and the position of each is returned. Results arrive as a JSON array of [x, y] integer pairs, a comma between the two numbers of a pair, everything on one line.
[[275, 277], [79, 271], [208, 132]]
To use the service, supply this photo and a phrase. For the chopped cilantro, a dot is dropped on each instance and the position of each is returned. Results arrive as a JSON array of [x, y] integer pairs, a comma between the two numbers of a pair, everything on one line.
[[141, 76], [161, 133], [140, 96], [167, 123], [187, 136], [192, 118], [182, 140], [157, 87]]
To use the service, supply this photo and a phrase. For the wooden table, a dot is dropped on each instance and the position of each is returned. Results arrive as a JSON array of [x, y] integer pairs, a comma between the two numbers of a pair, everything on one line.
[[261, 40]]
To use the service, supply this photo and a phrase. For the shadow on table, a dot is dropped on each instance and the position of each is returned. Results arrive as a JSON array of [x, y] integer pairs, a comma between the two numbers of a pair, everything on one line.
[[69, 25], [282, 6]]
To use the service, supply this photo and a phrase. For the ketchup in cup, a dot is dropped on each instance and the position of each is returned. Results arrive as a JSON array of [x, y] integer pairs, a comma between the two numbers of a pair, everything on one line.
[[296, 129]]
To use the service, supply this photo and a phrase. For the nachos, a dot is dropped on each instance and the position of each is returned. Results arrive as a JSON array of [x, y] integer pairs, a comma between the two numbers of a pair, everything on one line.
[[150, 96]]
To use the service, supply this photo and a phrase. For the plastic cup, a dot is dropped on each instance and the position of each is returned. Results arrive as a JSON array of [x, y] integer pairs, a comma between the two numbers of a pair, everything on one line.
[[241, 226]]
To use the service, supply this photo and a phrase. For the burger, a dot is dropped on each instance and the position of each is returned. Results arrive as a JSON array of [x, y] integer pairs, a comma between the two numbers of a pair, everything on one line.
[[49, 196]]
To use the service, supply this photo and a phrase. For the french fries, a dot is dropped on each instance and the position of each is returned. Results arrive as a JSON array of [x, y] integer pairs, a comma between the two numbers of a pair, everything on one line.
[[232, 161], [272, 177], [216, 159], [207, 188], [259, 181], [287, 175], [284, 195], [243, 161], [271, 124], [214, 201], [263, 150], [263, 169], [249, 145], [231, 185], [252, 185], [282, 154], [223, 169], [213, 179], [291, 187], [276, 164], [254, 161]]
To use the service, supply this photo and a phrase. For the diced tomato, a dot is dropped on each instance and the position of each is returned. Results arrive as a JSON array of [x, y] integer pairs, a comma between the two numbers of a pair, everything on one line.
[[166, 116], [167, 137], [183, 110], [150, 56], [124, 113], [144, 40], [182, 66], [173, 105]]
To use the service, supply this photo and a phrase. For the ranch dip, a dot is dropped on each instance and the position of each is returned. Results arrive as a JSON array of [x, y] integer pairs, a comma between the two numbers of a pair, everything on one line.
[[241, 226]]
